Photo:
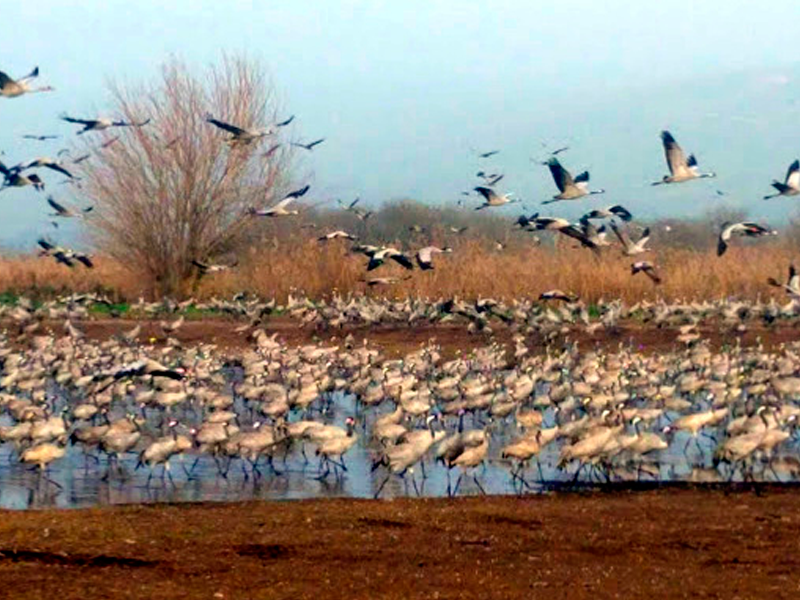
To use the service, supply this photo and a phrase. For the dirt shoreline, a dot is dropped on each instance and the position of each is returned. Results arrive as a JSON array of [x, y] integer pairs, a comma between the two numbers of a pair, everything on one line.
[[397, 340], [665, 543]]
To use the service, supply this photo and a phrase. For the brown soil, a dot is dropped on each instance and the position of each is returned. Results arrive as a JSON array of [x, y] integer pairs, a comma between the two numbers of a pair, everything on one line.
[[397, 341], [657, 544]]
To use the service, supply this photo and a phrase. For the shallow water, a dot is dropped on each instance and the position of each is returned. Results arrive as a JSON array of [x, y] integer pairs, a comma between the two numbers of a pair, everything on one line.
[[78, 480]]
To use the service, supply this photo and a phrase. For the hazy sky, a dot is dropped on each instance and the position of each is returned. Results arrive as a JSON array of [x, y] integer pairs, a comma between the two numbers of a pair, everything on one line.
[[405, 93]]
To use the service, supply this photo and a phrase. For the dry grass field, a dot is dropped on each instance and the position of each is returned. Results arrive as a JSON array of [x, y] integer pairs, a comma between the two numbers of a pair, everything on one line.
[[475, 269]]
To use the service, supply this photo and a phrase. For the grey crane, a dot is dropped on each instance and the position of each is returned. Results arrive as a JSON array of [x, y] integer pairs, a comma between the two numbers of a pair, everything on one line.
[[11, 88], [100, 123], [792, 285], [204, 268], [569, 188], [239, 135], [425, 256], [337, 235], [630, 248], [492, 198], [746, 228], [790, 185], [610, 211], [309, 146], [66, 212], [680, 167], [648, 268], [279, 210]]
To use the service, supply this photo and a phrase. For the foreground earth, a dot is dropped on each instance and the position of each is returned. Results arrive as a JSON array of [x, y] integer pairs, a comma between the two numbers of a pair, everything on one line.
[[666, 543]]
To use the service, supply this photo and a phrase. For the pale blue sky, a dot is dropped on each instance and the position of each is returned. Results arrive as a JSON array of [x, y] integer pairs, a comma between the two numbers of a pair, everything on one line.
[[404, 90]]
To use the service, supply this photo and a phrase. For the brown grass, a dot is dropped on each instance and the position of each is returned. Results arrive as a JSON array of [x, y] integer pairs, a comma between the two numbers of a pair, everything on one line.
[[474, 270], [43, 277]]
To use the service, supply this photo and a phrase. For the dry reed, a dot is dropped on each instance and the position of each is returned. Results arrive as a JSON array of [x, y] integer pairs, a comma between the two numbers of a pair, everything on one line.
[[474, 270]]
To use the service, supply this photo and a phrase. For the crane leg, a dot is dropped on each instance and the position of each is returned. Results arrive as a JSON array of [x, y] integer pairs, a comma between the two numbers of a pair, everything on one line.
[[578, 472], [458, 484], [539, 466], [49, 480], [380, 487], [323, 474], [303, 452], [271, 463], [699, 448], [514, 473], [223, 473]]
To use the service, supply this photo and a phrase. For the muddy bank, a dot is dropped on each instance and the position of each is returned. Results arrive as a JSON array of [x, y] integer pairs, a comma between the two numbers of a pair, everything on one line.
[[400, 340], [666, 543]]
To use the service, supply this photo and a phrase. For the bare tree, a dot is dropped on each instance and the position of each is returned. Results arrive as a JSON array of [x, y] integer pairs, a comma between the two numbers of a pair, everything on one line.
[[177, 189]]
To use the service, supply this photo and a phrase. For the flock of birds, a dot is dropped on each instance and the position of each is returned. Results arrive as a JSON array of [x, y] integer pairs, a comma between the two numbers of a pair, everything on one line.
[[682, 168], [585, 232], [573, 416], [26, 173], [556, 418], [602, 415]]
